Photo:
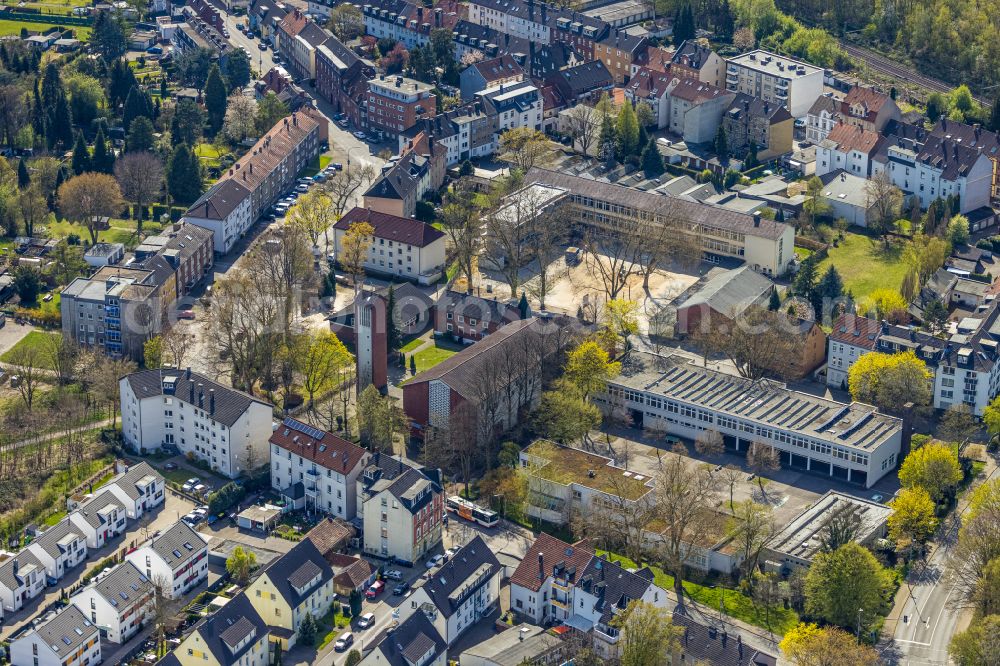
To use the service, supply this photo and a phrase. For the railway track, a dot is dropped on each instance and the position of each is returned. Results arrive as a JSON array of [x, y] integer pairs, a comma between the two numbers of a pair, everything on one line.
[[904, 74]]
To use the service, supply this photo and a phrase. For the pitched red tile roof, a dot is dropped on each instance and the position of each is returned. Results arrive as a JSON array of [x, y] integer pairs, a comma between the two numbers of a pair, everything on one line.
[[868, 98], [648, 83], [321, 447], [391, 227], [529, 574], [329, 534], [850, 137], [851, 329], [697, 92]]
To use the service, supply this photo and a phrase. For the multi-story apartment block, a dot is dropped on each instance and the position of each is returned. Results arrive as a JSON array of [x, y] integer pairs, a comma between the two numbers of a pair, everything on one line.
[[401, 247], [765, 245], [579, 83], [22, 578], [100, 518], [235, 634], [696, 110], [461, 592], [415, 641], [396, 103], [187, 249], [267, 171], [823, 116], [619, 51], [489, 74], [227, 429], [297, 584], [651, 87], [974, 136], [775, 79], [409, 23], [692, 60], [851, 338], [322, 466], [847, 147], [568, 583], [851, 442], [752, 121], [406, 178], [67, 639], [119, 602], [301, 50], [513, 105], [176, 561], [60, 548], [116, 310], [342, 79], [464, 133], [517, 19], [401, 509], [868, 109]]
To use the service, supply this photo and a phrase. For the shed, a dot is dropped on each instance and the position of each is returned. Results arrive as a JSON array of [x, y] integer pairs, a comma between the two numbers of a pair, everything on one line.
[[261, 518]]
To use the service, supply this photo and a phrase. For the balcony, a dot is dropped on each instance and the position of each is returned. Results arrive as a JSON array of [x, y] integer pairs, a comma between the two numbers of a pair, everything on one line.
[[560, 584], [559, 604], [606, 634]]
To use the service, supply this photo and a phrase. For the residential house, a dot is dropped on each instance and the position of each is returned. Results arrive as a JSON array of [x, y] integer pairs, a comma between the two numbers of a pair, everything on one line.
[[235, 634], [104, 254], [301, 51], [405, 180], [776, 79], [401, 247], [823, 116], [287, 30], [752, 121], [765, 245], [692, 60], [652, 87], [849, 148], [976, 137], [187, 250], [139, 487], [470, 318], [618, 51], [119, 602], [519, 18], [351, 574], [225, 211], [402, 509], [460, 592], [176, 561], [327, 466], [577, 31], [868, 109], [706, 644], [60, 548], [850, 442], [488, 74], [463, 133], [722, 299], [342, 79], [523, 643], [847, 196], [514, 105], [696, 110], [66, 639], [415, 642], [100, 519], [409, 23], [297, 584], [223, 427], [396, 103], [22, 578], [582, 82]]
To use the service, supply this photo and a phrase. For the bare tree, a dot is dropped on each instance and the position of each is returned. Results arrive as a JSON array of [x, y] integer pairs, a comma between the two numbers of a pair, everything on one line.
[[710, 443], [546, 233], [620, 519], [32, 208], [26, 362], [240, 122], [884, 200], [762, 458], [354, 248], [583, 124], [672, 243], [140, 176], [460, 217], [684, 493], [615, 258], [758, 341], [175, 344], [245, 317], [284, 259], [13, 112], [313, 214], [61, 353], [105, 380], [525, 148], [731, 475], [751, 528], [344, 184]]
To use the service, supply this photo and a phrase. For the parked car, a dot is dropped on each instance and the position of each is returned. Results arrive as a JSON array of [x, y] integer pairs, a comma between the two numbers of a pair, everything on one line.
[[360, 135], [302, 188], [450, 553], [343, 122], [400, 589], [185, 314], [190, 484], [338, 166], [262, 46], [435, 561], [170, 466], [375, 589], [200, 488], [394, 574], [192, 518], [345, 641], [366, 620]]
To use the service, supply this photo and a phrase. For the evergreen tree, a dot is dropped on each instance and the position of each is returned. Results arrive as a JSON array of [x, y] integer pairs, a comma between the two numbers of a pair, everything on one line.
[[184, 175], [59, 124], [607, 138], [774, 303], [137, 103], [413, 365], [140, 136], [104, 157], [726, 24], [38, 113], [722, 145], [237, 69], [216, 99], [652, 160], [805, 279], [163, 88], [831, 285], [627, 131], [643, 136], [121, 80], [52, 86], [81, 157], [188, 123], [23, 177], [391, 330], [108, 36], [892, 93], [751, 160], [522, 306], [779, 216]]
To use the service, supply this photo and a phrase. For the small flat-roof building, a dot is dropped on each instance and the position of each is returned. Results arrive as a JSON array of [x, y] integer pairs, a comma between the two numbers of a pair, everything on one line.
[[261, 518], [104, 254], [796, 545]]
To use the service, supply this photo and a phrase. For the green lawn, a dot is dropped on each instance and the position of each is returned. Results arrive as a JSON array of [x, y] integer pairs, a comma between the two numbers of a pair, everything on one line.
[[737, 604], [865, 264], [35, 340], [14, 28], [330, 628], [411, 345], [428, 357]]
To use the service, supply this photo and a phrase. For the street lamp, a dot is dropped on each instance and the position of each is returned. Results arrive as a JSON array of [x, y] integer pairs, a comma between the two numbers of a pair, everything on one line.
[[861, 612]]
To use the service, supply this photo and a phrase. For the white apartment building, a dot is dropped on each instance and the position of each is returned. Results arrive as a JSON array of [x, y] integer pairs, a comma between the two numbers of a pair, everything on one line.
[[775, 79], [401, 509], [514, 104], [22, 578], [849, 148], [68, 639], [225, 211], [227, 429], [177, 560], [517, 19], [100, 519], [851, 338], [460, 592], [823, 116], [315, 469], [402, 247], [850, 442], [118, 603], [60, 548]]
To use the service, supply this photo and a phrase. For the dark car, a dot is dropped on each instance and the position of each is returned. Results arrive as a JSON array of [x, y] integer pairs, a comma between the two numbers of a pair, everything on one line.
[[400, 589]]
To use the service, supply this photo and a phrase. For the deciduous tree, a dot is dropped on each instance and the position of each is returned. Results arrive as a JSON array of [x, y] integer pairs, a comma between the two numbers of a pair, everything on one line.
[[889, 381], [588, 367], [841, 583], [913, 521], [354, 248], [809, 645], [140, 177], [240, 565], [648, 637], [525, 148], [933, 467], [85, 199]]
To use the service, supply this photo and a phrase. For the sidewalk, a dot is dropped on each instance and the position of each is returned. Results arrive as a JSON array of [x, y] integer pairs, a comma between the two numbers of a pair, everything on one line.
[[55, 435]]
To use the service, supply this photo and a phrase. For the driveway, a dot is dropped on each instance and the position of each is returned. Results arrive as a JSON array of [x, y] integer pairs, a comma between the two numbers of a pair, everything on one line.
[[138, 532], [12, 333]]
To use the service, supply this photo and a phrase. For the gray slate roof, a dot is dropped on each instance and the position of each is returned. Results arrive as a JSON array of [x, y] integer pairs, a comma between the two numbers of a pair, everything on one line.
[[458, 578], [296, 568], [67, 631], [123, 586], [178, 544], [21, 561], [90, 510], [230, 404], [224, 629], [731, 292], [404, 645], [49, 540], [129, 479], [219, 201]]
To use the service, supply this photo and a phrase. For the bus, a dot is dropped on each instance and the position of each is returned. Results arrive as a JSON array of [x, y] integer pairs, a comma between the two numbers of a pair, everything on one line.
[[473, 512]]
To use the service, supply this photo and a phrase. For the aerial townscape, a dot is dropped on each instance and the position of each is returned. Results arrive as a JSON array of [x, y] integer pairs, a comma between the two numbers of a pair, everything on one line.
[[499, 333]]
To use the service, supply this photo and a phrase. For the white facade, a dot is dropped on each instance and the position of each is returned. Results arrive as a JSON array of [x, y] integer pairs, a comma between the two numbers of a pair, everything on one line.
[[818, 126], [149, 423], [226, 232], [840, 357], [928, 182], [118, 618], [776, 79], [510, 24], [45, 646], [139, 489], [179, 569], [335, 490], [60, 548], [831, 157], [517, 104], [100, 521], [22, 578], [411, 262]]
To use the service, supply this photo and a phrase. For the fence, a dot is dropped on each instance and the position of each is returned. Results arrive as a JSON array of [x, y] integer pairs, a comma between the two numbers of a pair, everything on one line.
[[7, 13]]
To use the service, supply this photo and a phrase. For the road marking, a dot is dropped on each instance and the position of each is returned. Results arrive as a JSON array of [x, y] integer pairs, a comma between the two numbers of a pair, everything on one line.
[[901, 640]]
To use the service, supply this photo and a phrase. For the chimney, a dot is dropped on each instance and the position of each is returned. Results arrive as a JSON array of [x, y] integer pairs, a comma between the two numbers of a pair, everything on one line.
[[211, 401], [251, 167], [16, 566], [756, 219], [201, 396], [188, 373], [541, 566]]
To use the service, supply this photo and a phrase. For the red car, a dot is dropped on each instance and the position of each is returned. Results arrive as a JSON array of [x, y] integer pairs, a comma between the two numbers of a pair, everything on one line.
[[375, 589], [185, 314]]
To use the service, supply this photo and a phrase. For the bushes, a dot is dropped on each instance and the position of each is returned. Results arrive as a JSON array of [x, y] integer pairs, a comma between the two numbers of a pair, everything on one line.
[[225, 497]]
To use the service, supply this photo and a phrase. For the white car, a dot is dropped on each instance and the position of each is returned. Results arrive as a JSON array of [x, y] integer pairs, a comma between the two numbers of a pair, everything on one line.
[[345, 641], [360, 135], [394, 574], [435, 561], [190, 484], [200, 488], [366, 620], [450, 553]]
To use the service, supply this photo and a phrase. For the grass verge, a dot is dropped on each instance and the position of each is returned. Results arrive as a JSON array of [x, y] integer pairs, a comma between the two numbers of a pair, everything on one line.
[[36, 341], [865, 264]]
